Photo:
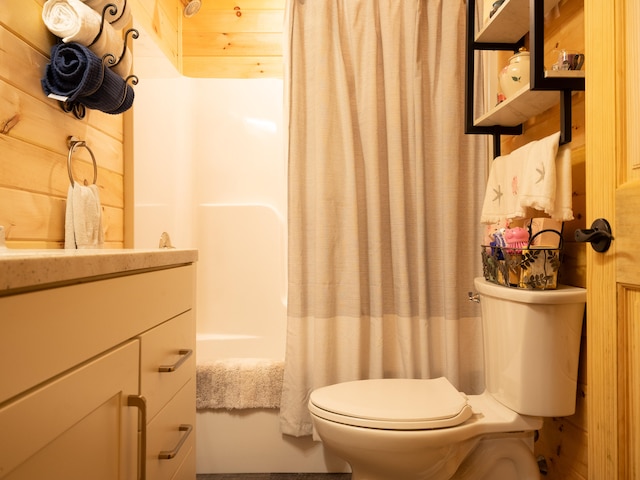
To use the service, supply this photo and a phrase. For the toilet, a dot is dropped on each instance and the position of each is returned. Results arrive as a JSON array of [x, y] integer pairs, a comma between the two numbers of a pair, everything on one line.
[[418, 429]]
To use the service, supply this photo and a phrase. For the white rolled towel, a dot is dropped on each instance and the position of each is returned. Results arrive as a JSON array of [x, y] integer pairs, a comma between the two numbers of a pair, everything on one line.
[[74, 21], [123, 12]]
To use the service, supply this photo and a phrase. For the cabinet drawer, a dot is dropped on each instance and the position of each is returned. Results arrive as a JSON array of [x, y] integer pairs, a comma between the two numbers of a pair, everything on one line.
[[164, 435], [167, 360], [47, 332], [187, 471]]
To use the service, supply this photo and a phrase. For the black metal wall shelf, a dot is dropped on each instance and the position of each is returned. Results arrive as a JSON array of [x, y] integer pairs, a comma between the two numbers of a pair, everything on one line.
[[506, 31]]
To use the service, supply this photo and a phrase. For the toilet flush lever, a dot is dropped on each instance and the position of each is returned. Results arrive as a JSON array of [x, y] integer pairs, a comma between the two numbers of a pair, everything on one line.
[[474, 297], [599, 235]]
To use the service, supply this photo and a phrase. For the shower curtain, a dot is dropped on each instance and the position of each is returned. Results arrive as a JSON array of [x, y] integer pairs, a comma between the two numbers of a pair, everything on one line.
[[385, 193]]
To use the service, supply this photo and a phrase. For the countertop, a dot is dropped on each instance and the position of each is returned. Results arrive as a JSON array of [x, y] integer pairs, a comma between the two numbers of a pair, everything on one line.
[[25, 270]]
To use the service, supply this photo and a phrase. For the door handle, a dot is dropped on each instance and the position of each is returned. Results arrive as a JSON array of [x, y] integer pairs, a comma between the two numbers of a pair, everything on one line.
[[169, 454], [140, 403], [599, 235]]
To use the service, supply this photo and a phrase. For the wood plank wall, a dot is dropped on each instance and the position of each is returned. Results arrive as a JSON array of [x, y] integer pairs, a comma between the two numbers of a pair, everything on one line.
[[563, 441], [161, 19], [33, 141], [33, 149]]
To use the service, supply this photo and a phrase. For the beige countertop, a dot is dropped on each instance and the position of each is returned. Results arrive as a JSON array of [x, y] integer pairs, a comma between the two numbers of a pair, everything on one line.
[[24, 270]]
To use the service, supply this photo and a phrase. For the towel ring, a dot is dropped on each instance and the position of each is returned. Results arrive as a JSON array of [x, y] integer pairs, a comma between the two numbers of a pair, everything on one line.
[[73, 143]]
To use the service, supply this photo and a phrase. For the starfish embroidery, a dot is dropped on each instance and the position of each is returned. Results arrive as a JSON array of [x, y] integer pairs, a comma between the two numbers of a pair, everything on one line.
[[498, 196], [541, 172]]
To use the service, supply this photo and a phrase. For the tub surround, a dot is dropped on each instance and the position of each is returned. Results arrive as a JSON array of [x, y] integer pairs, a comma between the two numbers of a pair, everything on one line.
[[23, 270]]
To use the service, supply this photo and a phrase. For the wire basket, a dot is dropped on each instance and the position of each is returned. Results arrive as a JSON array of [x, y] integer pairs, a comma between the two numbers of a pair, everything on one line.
[[530, 267]]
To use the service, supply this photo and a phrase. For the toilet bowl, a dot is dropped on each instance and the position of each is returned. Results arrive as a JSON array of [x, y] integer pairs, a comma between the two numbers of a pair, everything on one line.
[[418, 429]]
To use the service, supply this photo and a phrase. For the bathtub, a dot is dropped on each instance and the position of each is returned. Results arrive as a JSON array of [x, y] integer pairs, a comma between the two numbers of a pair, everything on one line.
[[249, 441], [241, 313]]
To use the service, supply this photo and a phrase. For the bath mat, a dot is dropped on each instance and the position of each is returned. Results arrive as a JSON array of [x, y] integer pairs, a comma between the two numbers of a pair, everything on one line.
[[238, 383]]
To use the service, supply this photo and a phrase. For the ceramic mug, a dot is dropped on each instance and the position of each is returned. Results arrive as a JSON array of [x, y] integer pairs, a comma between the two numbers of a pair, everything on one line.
[[569, 60]]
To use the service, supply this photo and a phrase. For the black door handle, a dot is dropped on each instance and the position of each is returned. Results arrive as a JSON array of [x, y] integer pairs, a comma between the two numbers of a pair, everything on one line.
[[599, 235]]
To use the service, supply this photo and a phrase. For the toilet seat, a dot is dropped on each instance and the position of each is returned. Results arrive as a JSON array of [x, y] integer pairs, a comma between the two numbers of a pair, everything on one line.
[[392, 404]]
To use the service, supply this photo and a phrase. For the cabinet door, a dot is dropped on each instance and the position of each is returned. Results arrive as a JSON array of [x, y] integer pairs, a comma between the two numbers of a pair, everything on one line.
[[77, 426]]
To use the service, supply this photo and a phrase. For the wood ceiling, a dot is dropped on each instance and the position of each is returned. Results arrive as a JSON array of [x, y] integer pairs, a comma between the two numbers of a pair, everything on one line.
[[233, 39], [225, 39]]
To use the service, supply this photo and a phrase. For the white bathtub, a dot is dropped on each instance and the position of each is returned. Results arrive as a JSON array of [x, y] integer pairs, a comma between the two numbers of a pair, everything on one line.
[[241, 313], [249, 441]]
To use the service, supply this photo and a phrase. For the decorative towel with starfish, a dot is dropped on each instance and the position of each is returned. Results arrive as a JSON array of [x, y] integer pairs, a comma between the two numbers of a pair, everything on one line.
[[546, 184], [534, 178], [502, 201]]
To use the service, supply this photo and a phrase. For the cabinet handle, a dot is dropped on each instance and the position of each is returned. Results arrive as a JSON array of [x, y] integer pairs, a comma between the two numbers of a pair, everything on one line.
[[169, 454], [140, 403], [186, 353]]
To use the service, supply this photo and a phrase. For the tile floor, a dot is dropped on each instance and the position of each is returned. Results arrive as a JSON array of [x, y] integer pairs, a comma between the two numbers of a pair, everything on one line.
[[275, 476]]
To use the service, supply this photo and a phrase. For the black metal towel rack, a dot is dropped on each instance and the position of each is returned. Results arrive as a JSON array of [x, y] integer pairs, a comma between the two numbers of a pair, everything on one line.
[[538, 80]]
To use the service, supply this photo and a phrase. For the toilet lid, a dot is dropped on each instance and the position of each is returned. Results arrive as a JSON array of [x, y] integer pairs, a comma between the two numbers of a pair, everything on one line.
[[398, 404]]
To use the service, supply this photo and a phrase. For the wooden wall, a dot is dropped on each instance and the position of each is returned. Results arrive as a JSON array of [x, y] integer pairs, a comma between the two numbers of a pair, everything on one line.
[[33, 141], [563, 441], [162, 20], [33, 149]]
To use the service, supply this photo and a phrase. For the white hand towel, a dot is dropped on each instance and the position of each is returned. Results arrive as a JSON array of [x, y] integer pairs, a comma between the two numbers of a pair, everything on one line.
[[501, 200], [83, 218], [563, 207], [73, 21], [123, 11], [538, 185]]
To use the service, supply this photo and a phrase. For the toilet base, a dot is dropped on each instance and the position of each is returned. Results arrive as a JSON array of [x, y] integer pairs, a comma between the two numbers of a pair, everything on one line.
[[410, 455], [491, 458], [500, 457]]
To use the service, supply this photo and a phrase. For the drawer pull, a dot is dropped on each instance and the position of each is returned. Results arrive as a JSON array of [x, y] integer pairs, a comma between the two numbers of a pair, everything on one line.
[[140, 403], [186, 353], [169, 454]]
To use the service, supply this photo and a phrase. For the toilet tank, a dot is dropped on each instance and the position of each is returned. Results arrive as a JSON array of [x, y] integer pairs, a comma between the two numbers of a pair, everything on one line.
[[532, 346]]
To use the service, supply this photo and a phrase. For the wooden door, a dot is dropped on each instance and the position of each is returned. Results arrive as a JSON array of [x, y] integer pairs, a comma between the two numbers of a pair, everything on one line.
[[613, 278]]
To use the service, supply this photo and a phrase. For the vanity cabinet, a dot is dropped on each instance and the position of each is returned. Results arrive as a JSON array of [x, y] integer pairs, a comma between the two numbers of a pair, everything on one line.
[[506, 30], [98, 378]]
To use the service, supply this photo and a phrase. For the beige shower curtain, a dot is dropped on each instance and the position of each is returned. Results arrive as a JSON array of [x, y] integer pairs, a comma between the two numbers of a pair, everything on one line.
[[384, 198]]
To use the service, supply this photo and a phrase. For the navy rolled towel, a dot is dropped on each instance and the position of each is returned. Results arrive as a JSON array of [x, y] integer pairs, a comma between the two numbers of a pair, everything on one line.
[[77, 74]]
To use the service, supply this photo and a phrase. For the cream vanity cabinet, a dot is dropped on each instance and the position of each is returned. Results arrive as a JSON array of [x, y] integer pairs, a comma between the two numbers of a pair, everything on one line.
[[98, 375]]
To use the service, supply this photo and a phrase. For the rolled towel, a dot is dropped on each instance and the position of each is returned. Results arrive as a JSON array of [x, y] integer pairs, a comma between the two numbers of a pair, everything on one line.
[[123, 11], [75, 74], [73, 21]]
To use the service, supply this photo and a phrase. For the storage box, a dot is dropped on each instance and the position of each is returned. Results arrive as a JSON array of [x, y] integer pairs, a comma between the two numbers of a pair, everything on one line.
[[544, 232], [528, 268]]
